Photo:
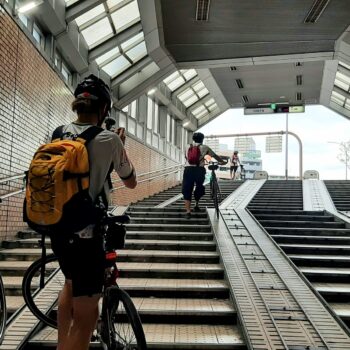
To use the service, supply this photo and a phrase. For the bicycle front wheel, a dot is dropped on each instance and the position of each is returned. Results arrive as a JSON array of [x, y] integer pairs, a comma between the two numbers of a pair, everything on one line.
[[3, 311], [125, 327], [42, 302]]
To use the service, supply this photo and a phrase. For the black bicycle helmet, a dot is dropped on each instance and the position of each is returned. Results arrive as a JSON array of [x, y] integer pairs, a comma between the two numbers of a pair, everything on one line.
[[94, 88]]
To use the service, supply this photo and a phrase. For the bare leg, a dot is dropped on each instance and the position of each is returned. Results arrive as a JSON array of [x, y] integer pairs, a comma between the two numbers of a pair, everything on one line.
[[65, 313], [85, 316], [188, 206]]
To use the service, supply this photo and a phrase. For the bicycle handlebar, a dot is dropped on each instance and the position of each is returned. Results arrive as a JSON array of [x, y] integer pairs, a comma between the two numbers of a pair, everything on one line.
[[122, 219]]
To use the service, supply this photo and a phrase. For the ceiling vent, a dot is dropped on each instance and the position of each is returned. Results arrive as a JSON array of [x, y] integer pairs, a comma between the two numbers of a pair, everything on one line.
[[299, 96], [299, 79], [298, 64], [316, 11], [233, 68], [239, 83], [202, 11], [245, 99]]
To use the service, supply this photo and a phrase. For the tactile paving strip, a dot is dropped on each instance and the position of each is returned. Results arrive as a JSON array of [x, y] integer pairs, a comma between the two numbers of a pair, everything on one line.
[[293, 313], [24, 323]]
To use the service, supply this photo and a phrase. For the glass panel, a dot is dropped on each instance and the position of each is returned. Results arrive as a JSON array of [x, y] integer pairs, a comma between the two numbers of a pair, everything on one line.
[[131, 42], [189, 73], [137, 52], [176, 83], [36, 36], [23, 19], [112, 3], [202, 114], [190, 101], [155, 141], [344, 65], [133, 109], [212, 107], [108, 55], [65, 73], [338, 95], [337, 101], [171, 77], [149, 137], [122, 120], [140, 131], [343, 77], [131, 126], [70, 2], [202, 92], [186, 94], [88, 16], [341, 84], [156, 119], [97, 31], [198, 110], [198, 86], [117, 66], [126, 16], [149, 113], [209, 102]]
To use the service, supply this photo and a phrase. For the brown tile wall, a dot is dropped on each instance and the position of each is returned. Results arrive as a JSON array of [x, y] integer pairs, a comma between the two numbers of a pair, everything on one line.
[[33, 101]]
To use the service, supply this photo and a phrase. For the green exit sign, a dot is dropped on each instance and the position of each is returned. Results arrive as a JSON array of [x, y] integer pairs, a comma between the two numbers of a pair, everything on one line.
[[273, 106]]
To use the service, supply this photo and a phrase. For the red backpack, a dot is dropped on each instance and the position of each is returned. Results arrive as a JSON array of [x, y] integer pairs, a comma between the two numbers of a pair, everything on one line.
[[194, 155]]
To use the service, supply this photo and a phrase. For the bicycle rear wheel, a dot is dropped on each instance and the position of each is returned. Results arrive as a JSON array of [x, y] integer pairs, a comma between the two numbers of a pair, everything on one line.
[[3, 311], [123, 322], [40, 274]]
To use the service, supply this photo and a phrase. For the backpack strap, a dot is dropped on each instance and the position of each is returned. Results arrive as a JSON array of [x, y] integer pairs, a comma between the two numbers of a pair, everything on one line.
[[57, 133], [90, 133]]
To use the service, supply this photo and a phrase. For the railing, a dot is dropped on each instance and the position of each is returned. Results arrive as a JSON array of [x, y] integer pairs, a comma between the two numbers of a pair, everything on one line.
[[179, 167], [14, 193], [17, 192]]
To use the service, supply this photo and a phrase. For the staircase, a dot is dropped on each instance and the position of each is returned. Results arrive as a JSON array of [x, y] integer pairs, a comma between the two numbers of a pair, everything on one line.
[[317, 243], [171, 269], [340, 193]]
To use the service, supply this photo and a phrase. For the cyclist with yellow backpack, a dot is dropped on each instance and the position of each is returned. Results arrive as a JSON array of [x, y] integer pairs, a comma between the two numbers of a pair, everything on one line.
[[66, 196]]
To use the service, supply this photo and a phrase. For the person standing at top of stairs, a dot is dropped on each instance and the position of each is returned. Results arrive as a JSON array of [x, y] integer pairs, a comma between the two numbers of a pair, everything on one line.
[[194, 173]]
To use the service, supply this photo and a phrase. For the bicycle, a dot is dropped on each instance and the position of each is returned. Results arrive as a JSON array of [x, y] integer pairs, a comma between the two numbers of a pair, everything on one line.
[[119, 325], [215, 192], [242, 172], [3, 311]]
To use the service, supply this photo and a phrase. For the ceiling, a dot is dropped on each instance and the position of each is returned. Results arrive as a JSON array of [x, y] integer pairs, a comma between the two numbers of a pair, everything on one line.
[[139, 45]]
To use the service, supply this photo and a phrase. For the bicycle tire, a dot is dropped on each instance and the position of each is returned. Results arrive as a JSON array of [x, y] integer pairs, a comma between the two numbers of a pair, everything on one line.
[[215, 189], [3, 311], [30, 287], [119, 308]]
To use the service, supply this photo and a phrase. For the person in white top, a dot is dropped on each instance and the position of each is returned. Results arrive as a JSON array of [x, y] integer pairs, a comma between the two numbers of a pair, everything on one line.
[[234, 164], [82, 258], [194, 173]]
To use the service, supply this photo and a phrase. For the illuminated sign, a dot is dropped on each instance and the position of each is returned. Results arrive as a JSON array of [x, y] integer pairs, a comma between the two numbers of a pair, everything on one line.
[[275, 108]]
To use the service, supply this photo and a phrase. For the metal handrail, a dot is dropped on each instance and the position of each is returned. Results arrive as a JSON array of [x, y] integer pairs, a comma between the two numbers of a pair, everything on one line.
[[151, 172], [11, 194], [13, 177], [145, 180]]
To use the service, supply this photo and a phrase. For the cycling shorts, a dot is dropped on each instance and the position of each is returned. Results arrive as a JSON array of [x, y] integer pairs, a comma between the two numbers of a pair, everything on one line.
[[82, 260]]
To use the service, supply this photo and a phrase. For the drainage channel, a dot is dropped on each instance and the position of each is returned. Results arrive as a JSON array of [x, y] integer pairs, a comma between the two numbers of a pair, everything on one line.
[[281, 310]]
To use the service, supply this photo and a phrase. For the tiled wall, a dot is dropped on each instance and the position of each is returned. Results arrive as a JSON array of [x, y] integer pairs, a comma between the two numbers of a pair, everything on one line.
[[33, 101]]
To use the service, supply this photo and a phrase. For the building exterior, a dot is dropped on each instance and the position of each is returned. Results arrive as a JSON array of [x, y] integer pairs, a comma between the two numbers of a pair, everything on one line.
[[252, 162], [244, 144], [213, 144]]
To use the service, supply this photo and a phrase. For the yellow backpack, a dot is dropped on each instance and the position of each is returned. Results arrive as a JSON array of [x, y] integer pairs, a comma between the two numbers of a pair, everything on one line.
[[57, 196]]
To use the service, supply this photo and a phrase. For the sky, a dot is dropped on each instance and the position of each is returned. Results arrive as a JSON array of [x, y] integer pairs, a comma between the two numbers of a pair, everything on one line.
[[316, 127]]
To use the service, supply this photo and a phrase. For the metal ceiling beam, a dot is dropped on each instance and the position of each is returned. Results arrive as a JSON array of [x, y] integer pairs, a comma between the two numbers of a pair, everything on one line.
[[114, 41], [81, 7], [200, 102]]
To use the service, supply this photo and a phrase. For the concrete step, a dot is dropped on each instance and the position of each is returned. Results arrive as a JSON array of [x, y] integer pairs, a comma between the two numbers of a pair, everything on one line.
[[171, 256], [313, 260], [171, 221], [301, 224], [339, 292], [315, 249], [142, 244], [169, 336], [309, 231], [169, 227], [294, 217], [326, 274], [170, 215], [323, 240], [286, 212]]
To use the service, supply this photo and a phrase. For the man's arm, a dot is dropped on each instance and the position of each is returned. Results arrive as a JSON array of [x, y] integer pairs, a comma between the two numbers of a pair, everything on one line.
[[214, 155]]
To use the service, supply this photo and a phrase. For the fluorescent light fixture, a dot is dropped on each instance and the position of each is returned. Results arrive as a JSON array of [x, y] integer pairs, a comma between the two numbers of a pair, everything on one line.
[[29, 6], [151, 92]]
